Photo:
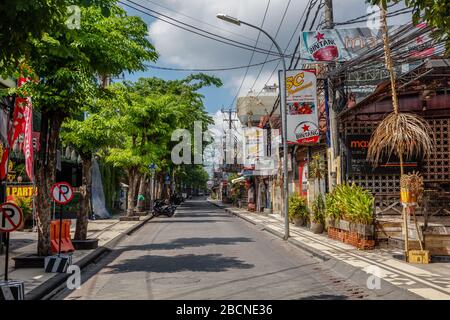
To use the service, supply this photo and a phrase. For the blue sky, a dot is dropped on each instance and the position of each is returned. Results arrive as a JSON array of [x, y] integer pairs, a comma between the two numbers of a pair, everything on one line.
[[181, 49]]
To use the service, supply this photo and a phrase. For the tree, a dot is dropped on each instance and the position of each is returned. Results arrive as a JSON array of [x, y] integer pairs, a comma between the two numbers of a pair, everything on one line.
[[152, 110], [435, 12], [68, 65], [87, 136], [24, 21]]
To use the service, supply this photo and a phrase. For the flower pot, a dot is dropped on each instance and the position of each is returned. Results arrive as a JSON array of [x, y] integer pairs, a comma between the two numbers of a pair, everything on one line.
[[298, 221], [316, 227]]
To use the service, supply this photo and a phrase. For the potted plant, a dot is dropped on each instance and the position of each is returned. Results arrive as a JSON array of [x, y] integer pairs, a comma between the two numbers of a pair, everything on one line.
[[318, 214], [298, 210]]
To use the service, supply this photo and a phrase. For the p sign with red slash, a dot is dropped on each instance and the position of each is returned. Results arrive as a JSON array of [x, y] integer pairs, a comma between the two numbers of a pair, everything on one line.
[[62, 192], [11, 217]]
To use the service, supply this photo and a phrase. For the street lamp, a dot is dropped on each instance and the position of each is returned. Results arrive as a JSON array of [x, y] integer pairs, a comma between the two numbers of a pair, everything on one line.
[[238, 22]]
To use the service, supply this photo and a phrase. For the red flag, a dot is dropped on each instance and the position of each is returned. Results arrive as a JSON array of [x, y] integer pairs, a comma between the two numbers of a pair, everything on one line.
[[18, 117], [4, 164], [28, 141]]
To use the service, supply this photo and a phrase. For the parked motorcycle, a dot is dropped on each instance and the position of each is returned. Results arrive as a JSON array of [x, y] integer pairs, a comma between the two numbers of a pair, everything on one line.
[[163, 207]]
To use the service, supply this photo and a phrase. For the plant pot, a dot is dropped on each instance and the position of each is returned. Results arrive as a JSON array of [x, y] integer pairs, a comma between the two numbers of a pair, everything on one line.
[[316, 227], [298, 221], [344, 225], [366, 230], [330, 223]]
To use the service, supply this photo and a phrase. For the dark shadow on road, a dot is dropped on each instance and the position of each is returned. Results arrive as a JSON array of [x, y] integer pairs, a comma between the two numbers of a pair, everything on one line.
[[325, 297], [181, 243], [173, 220], [179, 263], [202, 215]]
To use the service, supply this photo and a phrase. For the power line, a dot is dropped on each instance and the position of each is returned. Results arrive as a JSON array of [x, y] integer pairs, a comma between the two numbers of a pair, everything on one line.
[[206, 34], [210, 70], [308, 5], [203, 22], [253, 53], [271, 46], [304, 26]]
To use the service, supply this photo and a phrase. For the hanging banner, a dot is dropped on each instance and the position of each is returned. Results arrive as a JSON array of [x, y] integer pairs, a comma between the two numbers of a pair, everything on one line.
[[27, 147], [347, 44], [253, 145], [301, 103]]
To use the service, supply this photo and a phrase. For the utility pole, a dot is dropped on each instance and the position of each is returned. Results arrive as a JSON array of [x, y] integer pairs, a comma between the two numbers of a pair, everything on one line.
[[230, 120], [333, 148]]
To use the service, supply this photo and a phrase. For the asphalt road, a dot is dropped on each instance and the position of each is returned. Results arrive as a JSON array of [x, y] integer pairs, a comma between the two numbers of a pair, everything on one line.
[[203, 252]]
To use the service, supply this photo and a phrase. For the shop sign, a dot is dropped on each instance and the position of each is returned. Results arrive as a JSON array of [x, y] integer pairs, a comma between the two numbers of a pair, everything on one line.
[[20, 191], [357, 163], [301, 103]]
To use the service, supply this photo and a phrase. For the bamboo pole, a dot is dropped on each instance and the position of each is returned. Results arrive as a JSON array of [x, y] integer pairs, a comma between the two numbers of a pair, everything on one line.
[[389, 66]]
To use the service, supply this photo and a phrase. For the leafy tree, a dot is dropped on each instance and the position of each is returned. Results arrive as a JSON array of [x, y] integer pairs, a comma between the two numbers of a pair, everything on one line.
[[94, 133], [25, 21], [68, 66]]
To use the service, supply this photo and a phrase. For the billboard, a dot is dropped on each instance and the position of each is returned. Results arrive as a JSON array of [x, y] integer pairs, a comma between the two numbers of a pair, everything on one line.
[[301, 104], [347, 44]]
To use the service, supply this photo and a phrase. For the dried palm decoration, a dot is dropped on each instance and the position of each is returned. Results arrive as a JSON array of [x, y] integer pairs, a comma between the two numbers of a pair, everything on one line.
[[401, 134]]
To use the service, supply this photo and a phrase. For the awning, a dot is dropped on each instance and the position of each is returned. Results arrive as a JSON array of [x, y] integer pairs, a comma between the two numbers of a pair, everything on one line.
[[240, 179]]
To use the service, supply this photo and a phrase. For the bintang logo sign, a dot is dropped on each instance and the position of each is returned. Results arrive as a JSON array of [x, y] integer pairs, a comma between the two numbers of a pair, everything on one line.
[[350, 43], [301, 101]]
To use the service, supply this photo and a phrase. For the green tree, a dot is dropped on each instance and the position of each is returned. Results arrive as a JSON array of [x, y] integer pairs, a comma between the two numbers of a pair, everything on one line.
[[25, 21], [88, 136], [69, 65]]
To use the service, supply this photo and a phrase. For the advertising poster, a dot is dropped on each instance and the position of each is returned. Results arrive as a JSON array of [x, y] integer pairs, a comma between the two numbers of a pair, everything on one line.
[[301, 103], [347, 44]]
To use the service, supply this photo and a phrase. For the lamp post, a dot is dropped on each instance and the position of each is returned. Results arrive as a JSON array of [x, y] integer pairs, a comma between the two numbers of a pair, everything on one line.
[[283, 115]]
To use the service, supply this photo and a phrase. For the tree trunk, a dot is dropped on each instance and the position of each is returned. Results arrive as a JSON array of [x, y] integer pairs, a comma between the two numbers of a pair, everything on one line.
[[132, 183], [46, 176], [85, 208], [141, 203]]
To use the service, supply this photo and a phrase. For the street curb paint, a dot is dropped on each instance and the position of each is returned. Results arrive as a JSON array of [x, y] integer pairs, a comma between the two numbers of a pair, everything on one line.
[[46, 288]]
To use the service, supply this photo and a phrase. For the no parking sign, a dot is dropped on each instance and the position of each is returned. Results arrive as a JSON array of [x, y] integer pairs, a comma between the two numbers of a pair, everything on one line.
[[62, 192], [11, 217]]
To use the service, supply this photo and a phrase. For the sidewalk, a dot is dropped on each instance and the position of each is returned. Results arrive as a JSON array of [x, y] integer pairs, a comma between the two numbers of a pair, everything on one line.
[[106, 231], [430, 281]]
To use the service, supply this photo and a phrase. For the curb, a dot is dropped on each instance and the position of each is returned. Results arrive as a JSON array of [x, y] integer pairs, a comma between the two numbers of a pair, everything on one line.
[[46, 288]]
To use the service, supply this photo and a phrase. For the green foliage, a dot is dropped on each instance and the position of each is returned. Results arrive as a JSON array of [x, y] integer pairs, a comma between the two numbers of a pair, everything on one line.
[[318, 209], [25, 203], [25, 22], [350, 202], [435, 12], [194, 176], [297, 206]]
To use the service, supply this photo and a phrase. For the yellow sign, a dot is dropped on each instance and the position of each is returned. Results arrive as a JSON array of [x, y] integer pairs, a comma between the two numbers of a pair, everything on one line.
[[20, 191]]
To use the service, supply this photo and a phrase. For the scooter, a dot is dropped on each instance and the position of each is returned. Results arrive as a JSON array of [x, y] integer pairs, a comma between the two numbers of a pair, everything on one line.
[[161, 207]]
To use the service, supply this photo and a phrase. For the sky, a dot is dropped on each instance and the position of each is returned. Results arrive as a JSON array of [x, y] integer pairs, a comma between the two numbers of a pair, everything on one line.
[[181, 49]]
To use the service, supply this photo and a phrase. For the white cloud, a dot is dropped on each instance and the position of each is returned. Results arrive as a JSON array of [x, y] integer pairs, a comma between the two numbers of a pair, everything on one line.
[[179, 48]]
